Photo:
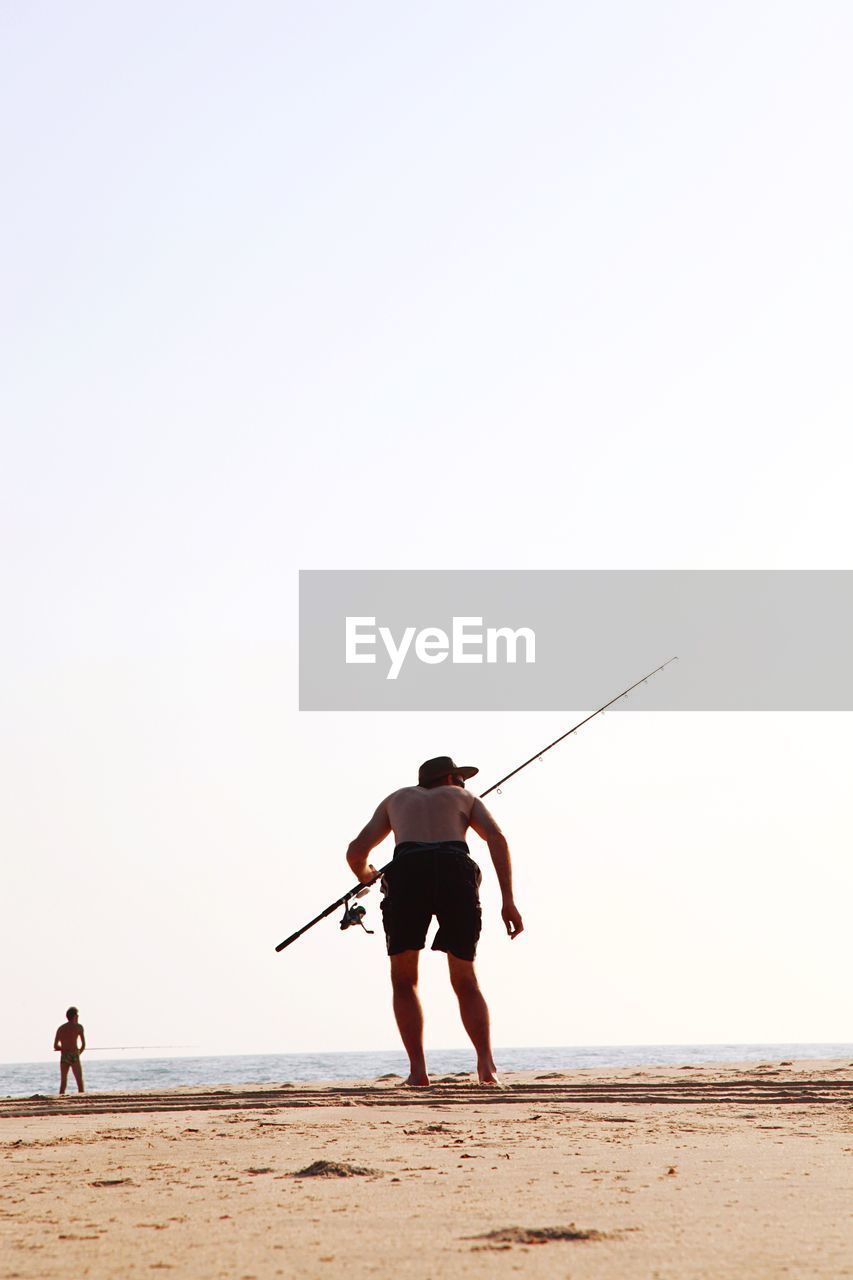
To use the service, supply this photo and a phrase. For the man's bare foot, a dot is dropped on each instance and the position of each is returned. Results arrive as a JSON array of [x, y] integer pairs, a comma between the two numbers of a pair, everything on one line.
[[419, 1081], [487, 1073]]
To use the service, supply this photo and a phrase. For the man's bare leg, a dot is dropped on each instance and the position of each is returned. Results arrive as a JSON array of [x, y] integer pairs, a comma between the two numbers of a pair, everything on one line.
[[63, 1077], [475, 1015], [409, 1014], [77, 1068]]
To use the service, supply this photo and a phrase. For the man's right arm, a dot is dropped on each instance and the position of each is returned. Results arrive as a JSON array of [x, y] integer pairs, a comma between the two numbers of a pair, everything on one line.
[[368, 838], [487, 829]]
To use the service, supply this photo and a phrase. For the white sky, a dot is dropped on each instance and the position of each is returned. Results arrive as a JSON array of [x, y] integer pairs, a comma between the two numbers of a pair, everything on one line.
[[389, 286]]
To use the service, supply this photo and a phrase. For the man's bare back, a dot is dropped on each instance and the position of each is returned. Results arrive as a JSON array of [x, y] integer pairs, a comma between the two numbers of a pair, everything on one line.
[[437, 813]]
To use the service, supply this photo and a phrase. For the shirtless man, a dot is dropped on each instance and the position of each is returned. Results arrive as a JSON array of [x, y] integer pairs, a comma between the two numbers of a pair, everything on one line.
[[433, 874], [65, 1043]]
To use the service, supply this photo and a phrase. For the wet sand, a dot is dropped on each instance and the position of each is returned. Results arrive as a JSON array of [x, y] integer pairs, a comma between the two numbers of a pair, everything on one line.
[[659, 1174]]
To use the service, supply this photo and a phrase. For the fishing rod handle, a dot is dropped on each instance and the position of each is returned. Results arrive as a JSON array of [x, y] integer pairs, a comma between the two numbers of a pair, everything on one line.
[[351, 893], [288, 941]]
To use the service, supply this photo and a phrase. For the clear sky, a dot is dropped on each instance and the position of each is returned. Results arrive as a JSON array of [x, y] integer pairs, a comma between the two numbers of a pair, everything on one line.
[[390, 286]]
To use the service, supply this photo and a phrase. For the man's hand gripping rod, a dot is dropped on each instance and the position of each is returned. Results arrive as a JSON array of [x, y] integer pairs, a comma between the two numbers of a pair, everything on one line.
[[361, 888]]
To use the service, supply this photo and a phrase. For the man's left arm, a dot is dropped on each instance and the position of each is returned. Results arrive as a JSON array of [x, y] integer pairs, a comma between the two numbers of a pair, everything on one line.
[[487, 829], [368, 838]]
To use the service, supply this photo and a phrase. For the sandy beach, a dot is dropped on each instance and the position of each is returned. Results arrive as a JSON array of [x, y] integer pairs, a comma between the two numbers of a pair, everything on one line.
[[662, 1174]]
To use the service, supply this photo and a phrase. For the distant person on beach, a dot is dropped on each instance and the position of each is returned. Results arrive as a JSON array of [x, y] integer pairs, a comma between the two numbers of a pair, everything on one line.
[[65, 1042], [433, 874]]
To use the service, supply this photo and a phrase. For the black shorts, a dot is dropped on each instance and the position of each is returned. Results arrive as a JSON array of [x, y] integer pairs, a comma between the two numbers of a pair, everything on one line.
[[425, 880]]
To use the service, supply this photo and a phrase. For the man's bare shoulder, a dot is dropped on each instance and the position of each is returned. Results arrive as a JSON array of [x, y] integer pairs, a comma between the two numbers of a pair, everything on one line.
[[402, 792], [482, 819]]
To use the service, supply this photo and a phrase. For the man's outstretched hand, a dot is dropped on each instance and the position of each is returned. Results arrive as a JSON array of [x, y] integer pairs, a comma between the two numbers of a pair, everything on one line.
[[512, 919]]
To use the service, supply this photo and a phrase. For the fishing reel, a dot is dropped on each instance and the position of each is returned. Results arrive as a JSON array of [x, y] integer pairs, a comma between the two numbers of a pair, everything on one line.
[[354, 913]]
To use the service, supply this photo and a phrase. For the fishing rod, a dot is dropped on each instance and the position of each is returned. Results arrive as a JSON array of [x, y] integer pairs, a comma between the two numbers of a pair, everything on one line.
[[354, 915], [104, 1048]]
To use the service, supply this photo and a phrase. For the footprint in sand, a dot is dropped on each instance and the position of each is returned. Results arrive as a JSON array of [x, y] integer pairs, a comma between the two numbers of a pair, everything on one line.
[[508, 1236], [335, 1169]]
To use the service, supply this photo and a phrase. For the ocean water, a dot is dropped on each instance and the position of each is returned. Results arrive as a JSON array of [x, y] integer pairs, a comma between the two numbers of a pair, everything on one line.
[[118, 1074]]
